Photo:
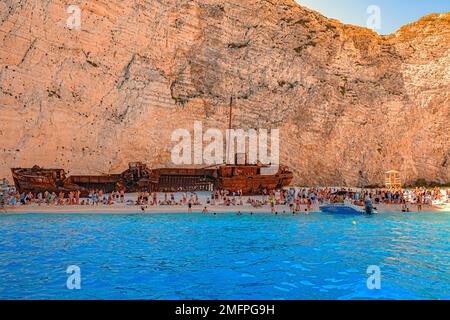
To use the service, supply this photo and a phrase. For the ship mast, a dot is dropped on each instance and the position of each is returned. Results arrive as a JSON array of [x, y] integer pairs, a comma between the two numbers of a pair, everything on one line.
[[231, 112], [229, 129]]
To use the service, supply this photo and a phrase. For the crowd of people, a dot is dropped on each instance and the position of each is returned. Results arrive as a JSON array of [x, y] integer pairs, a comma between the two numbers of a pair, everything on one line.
[[186, 198], [319, 196], [297, 199]]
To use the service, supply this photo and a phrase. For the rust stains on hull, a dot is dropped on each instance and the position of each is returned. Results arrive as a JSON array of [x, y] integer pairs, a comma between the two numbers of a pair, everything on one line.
[[37, 179], [250, 179]]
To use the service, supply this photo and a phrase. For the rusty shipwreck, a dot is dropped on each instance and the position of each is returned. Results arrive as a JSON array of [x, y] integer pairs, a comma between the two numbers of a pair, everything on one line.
[[241, 176], [248, 178]]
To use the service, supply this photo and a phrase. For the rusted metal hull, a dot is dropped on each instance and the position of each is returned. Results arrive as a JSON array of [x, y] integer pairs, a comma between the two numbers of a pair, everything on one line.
[[249, 179], [254, 185], [37, 180], [183, 179], [107, 183]]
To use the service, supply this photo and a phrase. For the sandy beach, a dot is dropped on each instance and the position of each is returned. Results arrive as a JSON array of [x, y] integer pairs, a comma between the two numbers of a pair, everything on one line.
[[127, 209]]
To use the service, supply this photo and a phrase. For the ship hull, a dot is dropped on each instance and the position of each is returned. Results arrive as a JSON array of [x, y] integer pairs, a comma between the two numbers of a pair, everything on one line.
[[253, 185], [36, 180], [137, 178]]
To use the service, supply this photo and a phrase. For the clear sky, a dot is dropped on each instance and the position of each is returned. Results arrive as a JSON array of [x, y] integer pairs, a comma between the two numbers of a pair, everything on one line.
[[393, 13]]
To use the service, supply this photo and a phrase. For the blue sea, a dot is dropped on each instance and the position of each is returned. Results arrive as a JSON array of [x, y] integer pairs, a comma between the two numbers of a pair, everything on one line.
[[197, 256]]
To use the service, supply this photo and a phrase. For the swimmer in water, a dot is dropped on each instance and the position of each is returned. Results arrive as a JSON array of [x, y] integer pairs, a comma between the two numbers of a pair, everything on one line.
[[239, 213], [251, 213], [205, 210]]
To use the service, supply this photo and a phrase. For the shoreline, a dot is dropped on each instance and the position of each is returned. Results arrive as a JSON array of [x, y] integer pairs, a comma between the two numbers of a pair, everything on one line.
[[136, 209]]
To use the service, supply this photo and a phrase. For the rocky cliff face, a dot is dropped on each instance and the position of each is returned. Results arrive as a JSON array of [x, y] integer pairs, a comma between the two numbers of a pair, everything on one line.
[[349, 103]]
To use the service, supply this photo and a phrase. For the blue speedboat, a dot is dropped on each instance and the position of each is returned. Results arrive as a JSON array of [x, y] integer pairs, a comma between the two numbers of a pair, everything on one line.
[[348, 208], [338, 208]]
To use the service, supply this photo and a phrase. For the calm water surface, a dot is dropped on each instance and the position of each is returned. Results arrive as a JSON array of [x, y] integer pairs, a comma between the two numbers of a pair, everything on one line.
[[195, 256]]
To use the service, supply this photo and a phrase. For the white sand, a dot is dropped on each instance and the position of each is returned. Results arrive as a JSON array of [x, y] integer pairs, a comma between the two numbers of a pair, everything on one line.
[[123, 208]]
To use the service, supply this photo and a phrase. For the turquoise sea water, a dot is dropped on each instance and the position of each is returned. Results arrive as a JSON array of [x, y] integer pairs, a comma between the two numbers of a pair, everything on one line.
[[195, 256]]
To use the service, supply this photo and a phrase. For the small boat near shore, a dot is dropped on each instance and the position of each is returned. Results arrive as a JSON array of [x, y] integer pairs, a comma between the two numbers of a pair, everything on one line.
[[347, 202], [348, 208]]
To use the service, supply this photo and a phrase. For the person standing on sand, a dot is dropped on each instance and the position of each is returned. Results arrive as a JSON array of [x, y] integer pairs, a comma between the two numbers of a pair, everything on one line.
[[195, 198], [190, 207], [39, 197], [60, 199], [52, 199]]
